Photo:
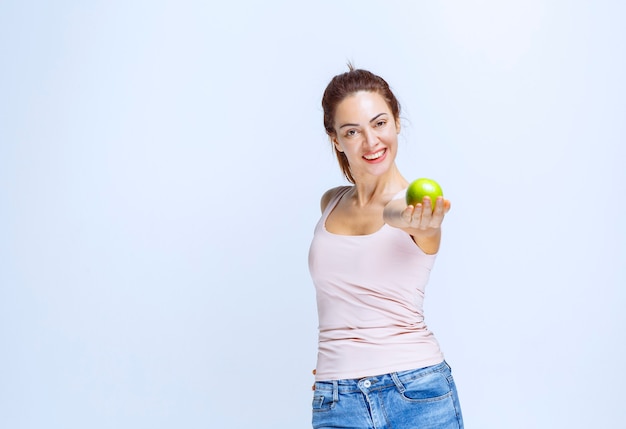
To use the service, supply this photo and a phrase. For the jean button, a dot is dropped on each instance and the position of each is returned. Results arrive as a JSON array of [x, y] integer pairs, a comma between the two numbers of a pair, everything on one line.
[[367, 383]]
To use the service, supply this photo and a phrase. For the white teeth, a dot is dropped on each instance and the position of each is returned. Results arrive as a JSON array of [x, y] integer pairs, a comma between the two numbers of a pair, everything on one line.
[[375, 155]]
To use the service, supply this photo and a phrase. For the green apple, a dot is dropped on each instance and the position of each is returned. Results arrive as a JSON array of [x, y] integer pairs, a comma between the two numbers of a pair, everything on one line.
[[421, 188]]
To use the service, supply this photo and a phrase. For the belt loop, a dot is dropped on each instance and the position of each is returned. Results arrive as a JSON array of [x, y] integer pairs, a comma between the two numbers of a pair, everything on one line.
[[397, 382], [335, 391]]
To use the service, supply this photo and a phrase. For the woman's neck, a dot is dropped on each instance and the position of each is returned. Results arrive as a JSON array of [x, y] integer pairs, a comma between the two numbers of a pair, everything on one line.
[[369, 190]]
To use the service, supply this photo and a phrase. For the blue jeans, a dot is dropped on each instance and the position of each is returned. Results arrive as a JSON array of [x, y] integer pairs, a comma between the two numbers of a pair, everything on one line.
[[423, 398]]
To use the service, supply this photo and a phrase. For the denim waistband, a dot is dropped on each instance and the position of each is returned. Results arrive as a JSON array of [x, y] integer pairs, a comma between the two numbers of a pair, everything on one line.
[[379, 381]]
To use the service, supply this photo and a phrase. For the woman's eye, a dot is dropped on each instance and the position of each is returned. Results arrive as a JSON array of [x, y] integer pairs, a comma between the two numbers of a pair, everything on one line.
[[380, 123], [350, 133]]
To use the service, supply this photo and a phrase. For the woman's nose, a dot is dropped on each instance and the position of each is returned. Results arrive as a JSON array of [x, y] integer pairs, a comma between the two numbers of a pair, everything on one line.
[[371, 139]]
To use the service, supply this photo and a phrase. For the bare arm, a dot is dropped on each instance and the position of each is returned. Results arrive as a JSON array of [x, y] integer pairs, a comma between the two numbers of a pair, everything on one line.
[[419, 221]]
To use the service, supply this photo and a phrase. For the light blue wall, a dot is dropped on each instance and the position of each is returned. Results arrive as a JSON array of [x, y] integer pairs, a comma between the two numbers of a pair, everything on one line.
[[161, 165]]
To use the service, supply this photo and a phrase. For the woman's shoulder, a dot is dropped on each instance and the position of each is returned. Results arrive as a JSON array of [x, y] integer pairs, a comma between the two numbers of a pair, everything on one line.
[[330, 194]]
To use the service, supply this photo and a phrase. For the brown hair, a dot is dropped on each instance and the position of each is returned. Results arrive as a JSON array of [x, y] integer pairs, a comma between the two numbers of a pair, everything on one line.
[[344, 85]]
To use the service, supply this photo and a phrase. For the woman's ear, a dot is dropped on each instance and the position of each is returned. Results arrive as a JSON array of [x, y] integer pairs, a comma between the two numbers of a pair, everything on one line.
[[398, 127], [335, 142]]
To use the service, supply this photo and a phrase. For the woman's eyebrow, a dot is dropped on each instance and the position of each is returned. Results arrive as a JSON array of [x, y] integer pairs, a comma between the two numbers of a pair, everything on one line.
[[348, 125], [371, 120], [377, 116]]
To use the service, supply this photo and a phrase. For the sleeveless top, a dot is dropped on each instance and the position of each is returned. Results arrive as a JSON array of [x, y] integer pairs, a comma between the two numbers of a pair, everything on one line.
[[370, 295]]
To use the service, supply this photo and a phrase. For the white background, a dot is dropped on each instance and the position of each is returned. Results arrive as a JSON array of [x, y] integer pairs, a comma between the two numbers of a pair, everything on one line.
[[161, 164]]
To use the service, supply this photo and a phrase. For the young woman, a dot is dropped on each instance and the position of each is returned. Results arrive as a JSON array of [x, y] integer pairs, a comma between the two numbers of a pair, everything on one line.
[[378, 365]]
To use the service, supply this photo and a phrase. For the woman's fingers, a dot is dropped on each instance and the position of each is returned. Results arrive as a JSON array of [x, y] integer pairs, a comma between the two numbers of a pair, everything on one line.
[[407, 214], [423, 214], [426, 214]]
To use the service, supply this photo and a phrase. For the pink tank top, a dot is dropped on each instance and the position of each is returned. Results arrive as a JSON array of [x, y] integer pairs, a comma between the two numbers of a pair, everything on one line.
[[370, 295]]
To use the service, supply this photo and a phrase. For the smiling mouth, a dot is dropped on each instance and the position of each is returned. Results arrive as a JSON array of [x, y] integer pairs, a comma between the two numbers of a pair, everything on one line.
[[373, 156]]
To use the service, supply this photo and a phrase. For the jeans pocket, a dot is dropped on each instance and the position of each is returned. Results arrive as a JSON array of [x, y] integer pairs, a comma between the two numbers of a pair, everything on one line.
[[322, 403], [430, 387]]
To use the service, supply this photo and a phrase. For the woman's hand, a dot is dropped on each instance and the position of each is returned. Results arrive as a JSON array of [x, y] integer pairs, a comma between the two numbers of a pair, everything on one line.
[[420, 221]]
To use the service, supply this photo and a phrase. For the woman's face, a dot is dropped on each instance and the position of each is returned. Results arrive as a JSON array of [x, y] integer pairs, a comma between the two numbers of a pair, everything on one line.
[[367, 133]]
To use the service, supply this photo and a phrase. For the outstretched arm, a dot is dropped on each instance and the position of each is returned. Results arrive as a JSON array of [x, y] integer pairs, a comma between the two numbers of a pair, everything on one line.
[[419, 221]]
